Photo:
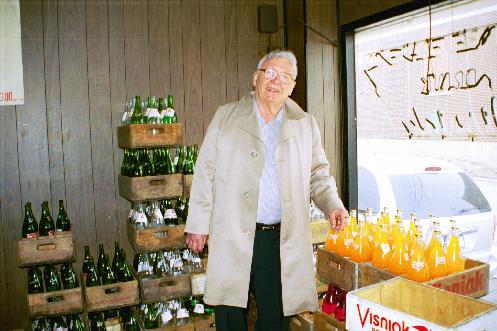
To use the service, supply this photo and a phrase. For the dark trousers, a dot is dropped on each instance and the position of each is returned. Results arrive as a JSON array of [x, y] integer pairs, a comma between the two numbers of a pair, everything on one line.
[[265, 284]]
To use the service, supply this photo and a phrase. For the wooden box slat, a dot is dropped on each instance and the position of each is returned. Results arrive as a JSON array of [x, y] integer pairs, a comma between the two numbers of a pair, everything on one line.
[[158, 238], [190, 326], [149, 135], [337, 270], [207, 323], [54, 249], [302, 322], [187, 185], [67, 302], [151, 187], [102, 298], [323, 322], [165, 288], [369, 274]]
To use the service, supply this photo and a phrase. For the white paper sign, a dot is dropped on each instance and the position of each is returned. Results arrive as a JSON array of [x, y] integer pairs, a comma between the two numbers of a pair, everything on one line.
[[11, 76]]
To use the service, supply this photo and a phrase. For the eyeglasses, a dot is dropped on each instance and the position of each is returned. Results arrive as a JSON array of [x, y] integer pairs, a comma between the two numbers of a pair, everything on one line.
[[271, 73]]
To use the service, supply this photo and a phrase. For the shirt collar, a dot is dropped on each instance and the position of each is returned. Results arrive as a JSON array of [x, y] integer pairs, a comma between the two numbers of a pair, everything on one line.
[[277, 120]]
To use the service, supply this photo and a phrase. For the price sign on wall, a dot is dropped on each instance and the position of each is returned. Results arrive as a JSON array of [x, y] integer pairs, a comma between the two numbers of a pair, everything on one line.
[[11, 79]]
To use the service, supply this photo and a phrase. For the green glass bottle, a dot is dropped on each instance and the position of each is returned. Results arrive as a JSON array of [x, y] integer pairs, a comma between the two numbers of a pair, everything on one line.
[[92, 275], [75, 323], [152, 160], [181, 159], [35, 282], [129, 320], [108, 276], [170, 217], [208, 310], [170, 168], [144, 163], [116, 259], [170, 115], [69, 279], [134, 164], [96, 322], [137, 117], [188, 167], [149, 320], [125, 273], [86, 261], [47, 225], [51, 278], [180, 209], [195, 153], [111, 313], [63, 223], [101, 259], [197, 306], [58, 323], [162, 109], [153, 115], [29, 224], [125, 167]]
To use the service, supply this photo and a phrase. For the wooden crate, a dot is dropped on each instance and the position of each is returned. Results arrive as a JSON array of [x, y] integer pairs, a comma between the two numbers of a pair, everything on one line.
[[156, 239], [54, 249], [207, 323], [164, 288], [319, 230], [302, 322], [324, 322], [472, 282], [116, 295], [187, 185], [347, 274], [185, 327], [198, 283], [151, 187], [402, 304], [56, 303], [149, 135]]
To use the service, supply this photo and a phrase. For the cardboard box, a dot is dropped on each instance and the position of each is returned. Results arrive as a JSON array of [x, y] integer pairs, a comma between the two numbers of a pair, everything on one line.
[[149, 135], [43, 250], [400, 304], [151, 187]]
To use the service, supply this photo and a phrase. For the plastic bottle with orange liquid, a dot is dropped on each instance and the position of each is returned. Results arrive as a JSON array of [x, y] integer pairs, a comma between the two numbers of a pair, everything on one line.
[[418, 266]]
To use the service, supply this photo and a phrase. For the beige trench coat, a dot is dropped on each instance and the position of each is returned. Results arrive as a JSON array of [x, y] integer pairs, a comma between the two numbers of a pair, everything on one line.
[[224, 197]]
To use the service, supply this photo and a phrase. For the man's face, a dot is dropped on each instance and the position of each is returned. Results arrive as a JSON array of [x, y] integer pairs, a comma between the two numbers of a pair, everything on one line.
[[273, 91]]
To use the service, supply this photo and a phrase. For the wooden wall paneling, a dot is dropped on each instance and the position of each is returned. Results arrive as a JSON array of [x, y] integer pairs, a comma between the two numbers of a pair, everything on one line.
[[277, 40], [10, 193], [52, 97], [137, 48], [314, 65], [354, 10], [118, 98], [101, 133], [4, 313], [192, 69], [248, 44], [176, 61], [332, 115], [296, 42], [213, 41], [160, 70], [231, 51], [76, 121]]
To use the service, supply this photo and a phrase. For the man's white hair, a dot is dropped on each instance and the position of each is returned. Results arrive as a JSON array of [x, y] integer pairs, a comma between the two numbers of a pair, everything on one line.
[[278, 54]]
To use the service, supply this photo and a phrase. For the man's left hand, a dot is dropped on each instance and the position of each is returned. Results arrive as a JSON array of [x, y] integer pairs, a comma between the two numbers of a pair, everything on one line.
[[338, 217]]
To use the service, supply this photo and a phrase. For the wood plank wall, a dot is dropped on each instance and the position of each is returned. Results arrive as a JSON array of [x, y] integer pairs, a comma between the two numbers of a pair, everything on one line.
[[82, 60]]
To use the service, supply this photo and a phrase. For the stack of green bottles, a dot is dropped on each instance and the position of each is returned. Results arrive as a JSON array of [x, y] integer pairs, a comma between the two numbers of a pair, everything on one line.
[[126, 317], [51, 279], [69, 323], [47, 226], [104, 272], [159, 161], [150, 111]]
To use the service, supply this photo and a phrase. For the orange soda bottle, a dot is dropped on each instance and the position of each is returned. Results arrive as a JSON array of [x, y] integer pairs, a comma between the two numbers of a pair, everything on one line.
[[368, 223], [418, 267], [412, 244], [331, 240], [339, 244], [436, 260], [411, 232], [434, 228], [397, 228], [399, 259], [455, 263], [353, 223], [382, 252], [361, 251]]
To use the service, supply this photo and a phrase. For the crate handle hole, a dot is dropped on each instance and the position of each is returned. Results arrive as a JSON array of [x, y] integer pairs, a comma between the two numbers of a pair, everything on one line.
[[160, 234], [47, 247], [334, 265], [113, 290], [167, 283], [155, 131], [56, 298], [157, 182]]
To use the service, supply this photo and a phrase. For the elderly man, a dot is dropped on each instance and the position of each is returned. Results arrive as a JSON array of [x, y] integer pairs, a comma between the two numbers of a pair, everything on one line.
[[259, 165]]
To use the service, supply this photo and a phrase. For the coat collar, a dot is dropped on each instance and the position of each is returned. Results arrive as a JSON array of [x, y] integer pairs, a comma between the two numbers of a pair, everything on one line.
[[248, 118]]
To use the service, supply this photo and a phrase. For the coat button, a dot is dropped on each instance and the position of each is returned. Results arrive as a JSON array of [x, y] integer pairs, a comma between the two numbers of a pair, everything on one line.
[[253, 154]]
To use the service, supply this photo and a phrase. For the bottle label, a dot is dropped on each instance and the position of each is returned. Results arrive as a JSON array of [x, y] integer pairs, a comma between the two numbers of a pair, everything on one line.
[[170, 213], [124, 118], [32, 235], [182, 313], [147, 112], [406, 256], [167, 316], [333, 237], [439, 260], [348, 242], [154, 112], [162, 114], [199, 308], [169, 112], [385, 248], [185, 254], [417, 265], [196, 259], [131, 214], [141, 218], [176, 158]]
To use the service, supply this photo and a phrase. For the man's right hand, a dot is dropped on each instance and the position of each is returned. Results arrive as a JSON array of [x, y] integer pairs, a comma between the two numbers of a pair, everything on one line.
[[196, 242]]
